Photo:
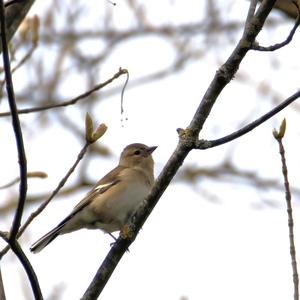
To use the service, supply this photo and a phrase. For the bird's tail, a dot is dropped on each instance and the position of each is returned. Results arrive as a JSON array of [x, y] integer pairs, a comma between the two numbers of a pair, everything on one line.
[[45, 240]]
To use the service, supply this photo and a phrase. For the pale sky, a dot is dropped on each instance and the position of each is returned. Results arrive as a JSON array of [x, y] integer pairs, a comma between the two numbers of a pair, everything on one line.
[[232, 248]]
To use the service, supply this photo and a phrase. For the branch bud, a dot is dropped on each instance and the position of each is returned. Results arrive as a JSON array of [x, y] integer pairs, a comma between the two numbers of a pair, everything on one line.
[[100, 130], [89, 128]]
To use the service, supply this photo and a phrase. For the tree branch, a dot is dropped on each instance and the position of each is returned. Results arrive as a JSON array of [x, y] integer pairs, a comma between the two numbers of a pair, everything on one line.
[[11, 240], [204, 144], [279, 136], [37, 174], [185, 145], [255, 46], [53, 194], [17, 129], [27, 266], [71, 101], [251, 12]]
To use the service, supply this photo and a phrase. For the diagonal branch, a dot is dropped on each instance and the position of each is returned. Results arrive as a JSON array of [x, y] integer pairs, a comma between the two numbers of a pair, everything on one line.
[[185, 145], [71, 101], [251, 12], [53, 194], [204, 144]]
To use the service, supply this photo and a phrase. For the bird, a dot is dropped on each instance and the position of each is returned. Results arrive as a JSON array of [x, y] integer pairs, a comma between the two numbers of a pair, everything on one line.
[[113, 200]]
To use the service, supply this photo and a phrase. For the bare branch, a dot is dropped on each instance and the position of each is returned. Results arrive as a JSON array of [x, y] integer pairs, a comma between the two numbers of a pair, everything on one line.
[[17, 129], [53, 194], [99, 132], [72, 101], [204, 144], [29, 175], [251, 12], [122, 93], [279, 136], [37, 199], [14, 245], [11, 239], [227, 171], [255, 46]]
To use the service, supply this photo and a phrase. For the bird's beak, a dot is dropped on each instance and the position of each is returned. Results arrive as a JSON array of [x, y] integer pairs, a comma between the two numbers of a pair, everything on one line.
[[151, 149]]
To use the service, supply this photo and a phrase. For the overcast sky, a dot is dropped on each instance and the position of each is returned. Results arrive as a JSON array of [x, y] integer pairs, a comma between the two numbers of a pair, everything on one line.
[[208, 240]]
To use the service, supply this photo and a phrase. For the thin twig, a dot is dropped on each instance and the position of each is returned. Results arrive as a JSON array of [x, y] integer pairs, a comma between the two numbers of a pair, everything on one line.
[[288, 198], [14, 245], [205, 144], [24, 59], [29, 175], [53, 194], [122, 93], [37, 199], [277, 46], [71, 101], [17, 129]]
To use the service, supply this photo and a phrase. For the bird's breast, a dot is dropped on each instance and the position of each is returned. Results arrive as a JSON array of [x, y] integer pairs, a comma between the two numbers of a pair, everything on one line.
[[120, 202]]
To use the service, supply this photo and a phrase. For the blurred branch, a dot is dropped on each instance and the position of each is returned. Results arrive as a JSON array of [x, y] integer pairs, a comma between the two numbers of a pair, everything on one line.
[[227, 171], [30, 27], [170, 70], [31, 200], [90, 139], [20, 63], [185, 145], [110, 34], [72, 101], [57, 189], [279, 136], [29, 175]]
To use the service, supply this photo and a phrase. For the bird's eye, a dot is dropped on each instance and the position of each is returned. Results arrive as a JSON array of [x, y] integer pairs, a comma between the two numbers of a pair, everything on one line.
[[137, 152]]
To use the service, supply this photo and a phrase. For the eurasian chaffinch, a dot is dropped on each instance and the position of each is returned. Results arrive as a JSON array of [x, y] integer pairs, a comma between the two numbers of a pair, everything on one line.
[[114, 198]]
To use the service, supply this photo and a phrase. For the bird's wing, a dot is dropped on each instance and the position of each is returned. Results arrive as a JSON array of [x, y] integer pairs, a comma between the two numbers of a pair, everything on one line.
[[51, 235], [96, 191], [102, 186]]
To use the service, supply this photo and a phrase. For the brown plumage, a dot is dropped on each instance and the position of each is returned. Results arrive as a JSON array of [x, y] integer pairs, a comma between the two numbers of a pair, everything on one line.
[[113, 199]]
